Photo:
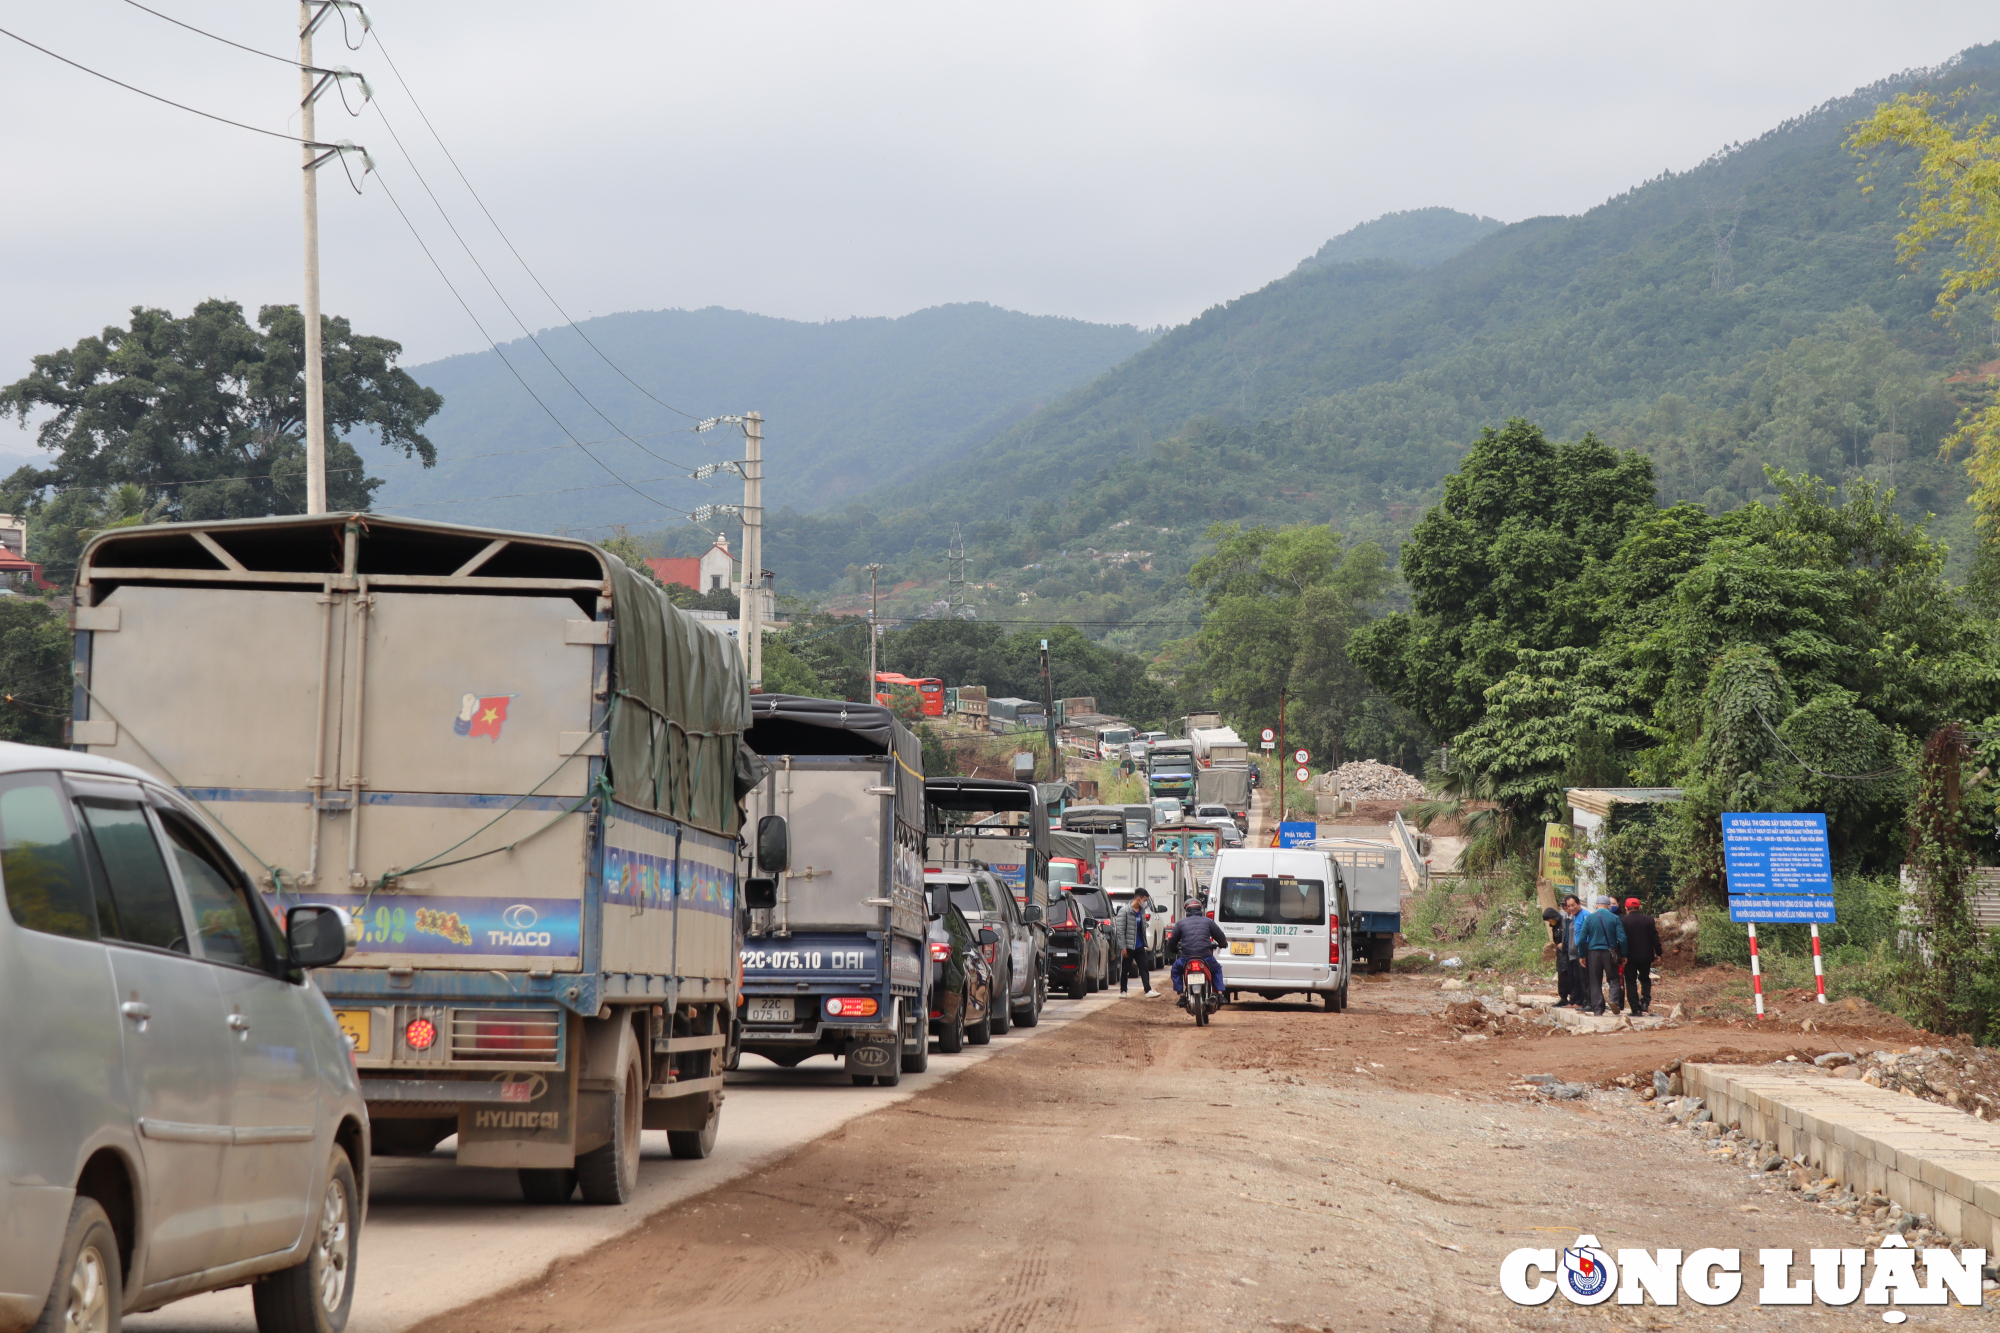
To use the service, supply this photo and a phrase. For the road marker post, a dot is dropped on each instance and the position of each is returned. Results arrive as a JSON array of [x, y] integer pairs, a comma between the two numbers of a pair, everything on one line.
[[1819, 972], [1756, 971]]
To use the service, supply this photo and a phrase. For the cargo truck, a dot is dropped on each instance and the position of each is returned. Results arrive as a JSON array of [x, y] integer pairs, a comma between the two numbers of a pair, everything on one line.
[[1374, 874], [1228, 787], [1170, 771], [514, 764], [1219, 747], [838, 963]]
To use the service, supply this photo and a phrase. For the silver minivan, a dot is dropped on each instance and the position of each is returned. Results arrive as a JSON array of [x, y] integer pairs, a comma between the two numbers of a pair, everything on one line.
[[179, 1111]]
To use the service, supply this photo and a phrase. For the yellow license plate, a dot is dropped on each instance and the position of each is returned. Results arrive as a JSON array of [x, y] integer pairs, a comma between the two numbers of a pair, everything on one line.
[[1243, 946], [354, 1022]]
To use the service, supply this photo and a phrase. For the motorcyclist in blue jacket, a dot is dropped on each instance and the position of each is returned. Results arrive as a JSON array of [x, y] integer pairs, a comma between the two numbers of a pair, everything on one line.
[[1195, 936]]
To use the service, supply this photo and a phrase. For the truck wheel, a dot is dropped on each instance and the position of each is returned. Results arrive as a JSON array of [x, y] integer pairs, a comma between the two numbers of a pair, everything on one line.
[[313, 1295], [952, 1039], [88, 1294], [610, 1174], [547, 1184], [691, 1145]]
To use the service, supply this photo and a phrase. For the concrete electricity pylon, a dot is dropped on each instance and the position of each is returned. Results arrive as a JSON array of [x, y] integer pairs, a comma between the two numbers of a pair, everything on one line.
[[750, 591], [312, 82]]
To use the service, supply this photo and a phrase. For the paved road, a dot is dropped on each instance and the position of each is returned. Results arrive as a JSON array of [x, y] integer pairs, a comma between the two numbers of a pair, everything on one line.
[[439, 1236]]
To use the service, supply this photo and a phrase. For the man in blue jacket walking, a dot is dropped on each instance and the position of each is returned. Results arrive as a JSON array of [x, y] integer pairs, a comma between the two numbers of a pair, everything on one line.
[[1600, 938]]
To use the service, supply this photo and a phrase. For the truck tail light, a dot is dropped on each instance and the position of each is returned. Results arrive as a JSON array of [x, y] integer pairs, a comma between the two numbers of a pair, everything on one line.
[[420, 1034], [1333, 940], [941, 953], [850, 1006]]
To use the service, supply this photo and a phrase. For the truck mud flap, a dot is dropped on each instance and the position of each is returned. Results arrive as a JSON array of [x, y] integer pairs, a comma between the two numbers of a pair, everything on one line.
[[874, 1053], [535, 1127]]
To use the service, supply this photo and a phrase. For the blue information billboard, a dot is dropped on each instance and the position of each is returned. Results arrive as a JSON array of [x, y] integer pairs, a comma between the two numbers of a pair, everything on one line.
[[1778, 867], [1296, 832]]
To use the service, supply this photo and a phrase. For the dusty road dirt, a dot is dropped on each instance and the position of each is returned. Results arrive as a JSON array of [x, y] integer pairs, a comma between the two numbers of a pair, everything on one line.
[[1283, 1168]]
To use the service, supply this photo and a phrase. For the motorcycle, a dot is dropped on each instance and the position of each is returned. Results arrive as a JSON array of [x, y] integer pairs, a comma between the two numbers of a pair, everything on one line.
[[1199, 992]]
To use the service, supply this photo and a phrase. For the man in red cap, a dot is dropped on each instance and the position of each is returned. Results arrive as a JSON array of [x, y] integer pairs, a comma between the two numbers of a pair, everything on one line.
[[1642, 949]]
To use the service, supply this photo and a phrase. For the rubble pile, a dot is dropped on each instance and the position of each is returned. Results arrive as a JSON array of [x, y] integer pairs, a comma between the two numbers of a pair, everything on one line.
[[1367, 780]]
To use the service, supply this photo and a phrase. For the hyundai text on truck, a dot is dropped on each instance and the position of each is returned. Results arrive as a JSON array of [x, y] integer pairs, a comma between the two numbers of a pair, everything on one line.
[[508, 757], [839, 963]]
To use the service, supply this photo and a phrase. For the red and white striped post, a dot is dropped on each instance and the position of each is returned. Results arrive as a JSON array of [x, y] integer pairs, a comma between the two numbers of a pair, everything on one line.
[[1757, 971], [1819, 972]]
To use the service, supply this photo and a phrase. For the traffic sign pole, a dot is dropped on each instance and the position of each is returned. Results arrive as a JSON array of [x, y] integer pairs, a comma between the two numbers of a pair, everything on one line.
[[1819, 972]]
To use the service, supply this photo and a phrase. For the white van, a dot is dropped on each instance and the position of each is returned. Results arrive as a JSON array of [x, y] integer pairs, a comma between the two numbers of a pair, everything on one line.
[[1285, 913]]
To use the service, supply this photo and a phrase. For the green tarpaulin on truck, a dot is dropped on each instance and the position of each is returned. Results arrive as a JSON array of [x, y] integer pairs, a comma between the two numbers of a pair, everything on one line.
[[682, 704]]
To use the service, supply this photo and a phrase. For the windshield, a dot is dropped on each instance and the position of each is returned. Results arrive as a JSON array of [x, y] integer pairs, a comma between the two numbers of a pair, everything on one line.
[[1193, 844], [1279, 900], [1172, 763], [1062, 872]]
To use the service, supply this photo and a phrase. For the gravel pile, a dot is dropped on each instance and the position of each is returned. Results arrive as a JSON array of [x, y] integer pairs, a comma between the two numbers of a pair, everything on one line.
[[1366, 780]]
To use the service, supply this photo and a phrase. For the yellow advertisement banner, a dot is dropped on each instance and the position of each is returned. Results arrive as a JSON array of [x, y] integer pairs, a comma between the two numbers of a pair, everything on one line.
[[1555, 840]]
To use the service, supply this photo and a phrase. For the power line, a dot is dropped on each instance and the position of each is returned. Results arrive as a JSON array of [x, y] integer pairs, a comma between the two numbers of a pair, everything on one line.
[[213, 36], [505, 304], [179, 106], [390, 195], [390, 61]]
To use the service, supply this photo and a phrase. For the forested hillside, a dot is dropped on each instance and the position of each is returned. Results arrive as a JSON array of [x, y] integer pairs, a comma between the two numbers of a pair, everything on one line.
[[1747, 312], [849, 404]]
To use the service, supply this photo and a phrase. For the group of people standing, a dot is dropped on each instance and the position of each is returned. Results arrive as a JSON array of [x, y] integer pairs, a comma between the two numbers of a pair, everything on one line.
[[1603, 948]]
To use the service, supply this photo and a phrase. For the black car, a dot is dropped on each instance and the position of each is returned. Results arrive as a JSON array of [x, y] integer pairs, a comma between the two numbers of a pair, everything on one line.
[[1097, 905], [961, 978], [1079, 948]]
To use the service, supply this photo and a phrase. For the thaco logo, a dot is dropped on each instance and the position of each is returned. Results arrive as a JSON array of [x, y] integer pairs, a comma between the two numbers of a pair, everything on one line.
[[1586, 1274]]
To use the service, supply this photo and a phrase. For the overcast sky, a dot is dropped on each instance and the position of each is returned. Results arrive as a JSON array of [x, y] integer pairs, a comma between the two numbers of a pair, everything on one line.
[[1133, 162]]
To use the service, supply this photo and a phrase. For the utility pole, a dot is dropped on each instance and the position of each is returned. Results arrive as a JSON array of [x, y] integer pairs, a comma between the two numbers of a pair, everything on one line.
[[1049, 716], [751, 614], [954, 587], [1283, 756], [874, 604], [309, 307]]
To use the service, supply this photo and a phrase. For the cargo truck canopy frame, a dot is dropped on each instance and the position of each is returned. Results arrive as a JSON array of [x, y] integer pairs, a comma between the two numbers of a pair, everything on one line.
[[678, 695]]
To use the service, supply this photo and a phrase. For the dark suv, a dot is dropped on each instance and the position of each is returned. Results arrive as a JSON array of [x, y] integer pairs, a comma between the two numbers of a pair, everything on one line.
[[962, 990], [1096, 904], [1079, 949]]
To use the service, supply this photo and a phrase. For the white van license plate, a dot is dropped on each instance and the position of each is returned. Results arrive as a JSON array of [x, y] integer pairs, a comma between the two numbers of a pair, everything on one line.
[[769, 1011], [1243, 946]]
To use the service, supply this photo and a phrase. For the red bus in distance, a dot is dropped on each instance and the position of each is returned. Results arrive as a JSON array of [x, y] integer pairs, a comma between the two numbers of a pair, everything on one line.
[[930, 691]]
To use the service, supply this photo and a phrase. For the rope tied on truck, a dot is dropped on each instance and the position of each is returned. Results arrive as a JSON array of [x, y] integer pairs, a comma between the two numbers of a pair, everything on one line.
[[598, 790]]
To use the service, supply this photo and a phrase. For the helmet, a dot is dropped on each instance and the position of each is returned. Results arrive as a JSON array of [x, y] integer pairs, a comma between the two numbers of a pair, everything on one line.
[[1191, 905]]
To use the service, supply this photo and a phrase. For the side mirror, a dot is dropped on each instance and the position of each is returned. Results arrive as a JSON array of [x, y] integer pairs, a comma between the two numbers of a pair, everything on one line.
[[1032, 914], [988, 935], [316, 935], [760, 894], [774, 845]]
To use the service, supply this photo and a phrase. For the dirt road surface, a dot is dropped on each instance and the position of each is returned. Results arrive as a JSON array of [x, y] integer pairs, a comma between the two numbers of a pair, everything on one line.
[[1284, 1168], [439, 1235]]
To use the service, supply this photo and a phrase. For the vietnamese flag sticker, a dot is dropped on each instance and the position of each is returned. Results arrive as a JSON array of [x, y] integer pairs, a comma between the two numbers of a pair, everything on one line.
[[488, 716]]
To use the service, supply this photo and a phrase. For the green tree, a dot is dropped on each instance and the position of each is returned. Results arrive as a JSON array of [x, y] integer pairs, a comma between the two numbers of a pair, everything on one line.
[[1955, 189], [1497, 567], [34, 671], [205, 415], [1280, 608]]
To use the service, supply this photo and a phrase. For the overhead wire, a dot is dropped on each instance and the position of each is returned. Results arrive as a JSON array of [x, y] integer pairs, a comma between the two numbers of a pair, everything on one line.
[[216, 37], [506, 240], [452, 287], [178, 106], [498, 294]]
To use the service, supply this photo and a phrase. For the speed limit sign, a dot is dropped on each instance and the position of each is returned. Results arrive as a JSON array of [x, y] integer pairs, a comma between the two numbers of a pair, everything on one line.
[[1301, 756], [1268, 734], [1303, 775]]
